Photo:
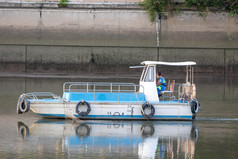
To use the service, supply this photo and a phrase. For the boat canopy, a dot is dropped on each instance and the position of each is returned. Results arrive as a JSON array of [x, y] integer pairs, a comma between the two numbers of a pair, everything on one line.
[[136, 66], [186, 63], [148, 77]]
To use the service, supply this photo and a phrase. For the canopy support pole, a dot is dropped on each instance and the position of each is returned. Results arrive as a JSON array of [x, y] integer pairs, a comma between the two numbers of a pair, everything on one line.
[[186, 74]]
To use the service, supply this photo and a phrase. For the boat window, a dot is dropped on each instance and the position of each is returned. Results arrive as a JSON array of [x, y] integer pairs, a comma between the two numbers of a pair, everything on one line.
[[149, 74], [143, 73]]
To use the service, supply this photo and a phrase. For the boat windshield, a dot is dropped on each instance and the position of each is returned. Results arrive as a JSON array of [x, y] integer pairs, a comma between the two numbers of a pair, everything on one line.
[[148, 74], [143, 73]]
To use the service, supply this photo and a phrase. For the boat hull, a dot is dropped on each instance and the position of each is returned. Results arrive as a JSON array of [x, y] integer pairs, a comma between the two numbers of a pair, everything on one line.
[[117, 111]]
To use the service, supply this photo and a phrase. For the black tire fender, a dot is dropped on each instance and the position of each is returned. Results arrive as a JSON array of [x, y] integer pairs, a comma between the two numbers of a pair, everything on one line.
[[83, 113], [18, 105], [24, 105], [148, 106], [195, 106]]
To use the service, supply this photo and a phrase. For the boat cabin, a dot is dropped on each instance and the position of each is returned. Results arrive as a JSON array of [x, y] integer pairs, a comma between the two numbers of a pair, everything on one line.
[[148, 80]]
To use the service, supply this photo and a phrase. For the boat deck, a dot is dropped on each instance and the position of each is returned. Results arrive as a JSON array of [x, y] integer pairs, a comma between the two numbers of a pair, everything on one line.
[[104, 97]]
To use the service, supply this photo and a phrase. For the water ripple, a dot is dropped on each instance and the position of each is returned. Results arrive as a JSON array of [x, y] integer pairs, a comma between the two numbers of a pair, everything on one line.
[[217, 119]]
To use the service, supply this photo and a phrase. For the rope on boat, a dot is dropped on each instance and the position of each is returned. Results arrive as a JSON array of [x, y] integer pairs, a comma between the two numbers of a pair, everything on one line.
[[142, 111], [69, 111], [139, 104]]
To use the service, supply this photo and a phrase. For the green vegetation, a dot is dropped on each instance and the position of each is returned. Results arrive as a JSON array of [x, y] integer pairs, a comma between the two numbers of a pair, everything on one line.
[[63, 3], [159, 6], [155, 6], [230, 6]]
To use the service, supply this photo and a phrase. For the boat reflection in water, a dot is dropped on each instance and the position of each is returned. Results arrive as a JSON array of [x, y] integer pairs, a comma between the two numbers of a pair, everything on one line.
[[111, 138]]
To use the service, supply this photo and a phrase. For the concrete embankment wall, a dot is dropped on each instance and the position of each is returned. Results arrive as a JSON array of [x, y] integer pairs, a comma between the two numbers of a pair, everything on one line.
[[109, 38]]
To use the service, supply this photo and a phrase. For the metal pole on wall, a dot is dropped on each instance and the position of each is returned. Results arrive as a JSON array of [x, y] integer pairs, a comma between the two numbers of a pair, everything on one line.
[[158, 26]]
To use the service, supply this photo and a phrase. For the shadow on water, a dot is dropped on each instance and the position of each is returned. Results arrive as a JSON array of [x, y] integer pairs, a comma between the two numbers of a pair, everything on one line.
[[136, 139]]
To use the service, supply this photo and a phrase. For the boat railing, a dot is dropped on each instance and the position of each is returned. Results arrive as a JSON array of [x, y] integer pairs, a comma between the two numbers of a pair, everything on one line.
[[95, 87], [182, 92], [186, 92], [41, 95]]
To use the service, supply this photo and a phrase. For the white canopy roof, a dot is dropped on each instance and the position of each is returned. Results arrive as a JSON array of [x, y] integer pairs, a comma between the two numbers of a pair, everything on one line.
[[186, 63]]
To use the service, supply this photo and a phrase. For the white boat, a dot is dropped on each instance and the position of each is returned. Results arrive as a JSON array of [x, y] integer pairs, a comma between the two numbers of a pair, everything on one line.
[[96, 100]]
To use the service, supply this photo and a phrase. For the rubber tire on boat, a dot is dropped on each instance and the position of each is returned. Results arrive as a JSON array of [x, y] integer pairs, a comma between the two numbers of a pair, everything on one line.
[[18, 105], [82, 113], [146, 106], [194, 106], [82, 130], [24, 105]]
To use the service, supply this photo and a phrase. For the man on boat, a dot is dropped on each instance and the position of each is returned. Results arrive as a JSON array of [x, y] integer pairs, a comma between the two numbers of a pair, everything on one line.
[[161, 85]]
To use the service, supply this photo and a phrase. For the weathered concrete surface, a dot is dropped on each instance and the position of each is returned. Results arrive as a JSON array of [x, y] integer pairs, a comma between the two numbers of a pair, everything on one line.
[[71, 60], [105, 27], [77, 27], [12, 58], [231, 88], [231, 62], [208, 60], [191, 30], [110, 40]]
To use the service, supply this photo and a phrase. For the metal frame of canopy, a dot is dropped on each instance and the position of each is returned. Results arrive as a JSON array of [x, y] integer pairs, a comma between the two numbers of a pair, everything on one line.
[[188, 64]]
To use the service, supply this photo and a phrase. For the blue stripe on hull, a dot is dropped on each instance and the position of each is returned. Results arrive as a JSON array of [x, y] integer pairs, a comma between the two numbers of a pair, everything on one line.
[[122, 117]]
